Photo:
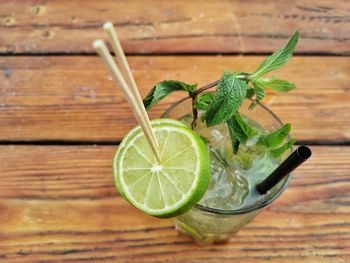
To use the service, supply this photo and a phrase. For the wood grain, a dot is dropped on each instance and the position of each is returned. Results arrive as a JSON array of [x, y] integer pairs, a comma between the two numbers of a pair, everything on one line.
[[177, 26], [74, 98], [58, 203]]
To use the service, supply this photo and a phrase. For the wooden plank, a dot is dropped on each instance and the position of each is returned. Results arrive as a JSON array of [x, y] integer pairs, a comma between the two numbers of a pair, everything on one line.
[[73, 98], [177, 26], [58, 203]]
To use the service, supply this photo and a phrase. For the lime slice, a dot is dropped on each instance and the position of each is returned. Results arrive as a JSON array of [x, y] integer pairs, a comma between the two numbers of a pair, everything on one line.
[[166, 189], [154, 123], [133, 132]]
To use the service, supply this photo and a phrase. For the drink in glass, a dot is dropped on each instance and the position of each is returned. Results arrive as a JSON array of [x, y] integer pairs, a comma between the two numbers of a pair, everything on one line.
[[231, 200]]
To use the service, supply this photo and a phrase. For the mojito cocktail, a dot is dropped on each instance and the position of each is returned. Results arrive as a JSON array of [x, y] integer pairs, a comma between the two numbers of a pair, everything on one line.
[[204, 161]]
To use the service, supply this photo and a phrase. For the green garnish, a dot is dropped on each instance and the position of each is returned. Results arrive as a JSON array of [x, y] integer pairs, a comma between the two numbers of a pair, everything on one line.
[[275, 153], [277, 59], [164, 88], [203, 101], [275, 84], [228, 97], [222, 106], [240, 130], [275, 138]]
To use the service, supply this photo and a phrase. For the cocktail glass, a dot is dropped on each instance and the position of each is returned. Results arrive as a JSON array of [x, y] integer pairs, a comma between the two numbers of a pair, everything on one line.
[[207, 225]]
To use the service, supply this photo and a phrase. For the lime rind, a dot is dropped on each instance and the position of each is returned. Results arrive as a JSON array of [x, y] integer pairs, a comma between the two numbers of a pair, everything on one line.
[[193, 195]]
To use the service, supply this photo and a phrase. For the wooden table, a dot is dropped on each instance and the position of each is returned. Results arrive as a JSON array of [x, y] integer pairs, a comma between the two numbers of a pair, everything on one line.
[[61, 119]]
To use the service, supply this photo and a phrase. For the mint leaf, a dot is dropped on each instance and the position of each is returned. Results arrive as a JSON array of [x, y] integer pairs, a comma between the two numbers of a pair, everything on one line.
[[279, 151], [259, 94], [164, 88], [203, 101], [246, 128], [275, 138], [229, 95], [277, 84], [234, 138], [277, 59], [239, 130]]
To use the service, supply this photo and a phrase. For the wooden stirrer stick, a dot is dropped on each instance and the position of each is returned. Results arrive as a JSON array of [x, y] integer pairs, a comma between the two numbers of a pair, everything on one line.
[[118, 50], [102, 50]]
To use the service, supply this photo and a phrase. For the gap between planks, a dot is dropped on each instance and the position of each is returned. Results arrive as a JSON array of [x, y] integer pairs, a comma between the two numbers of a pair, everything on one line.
[[132, 54], [116, 143]]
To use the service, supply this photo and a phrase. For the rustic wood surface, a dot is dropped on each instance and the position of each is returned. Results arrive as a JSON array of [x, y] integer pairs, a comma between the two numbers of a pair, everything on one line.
[[74, 98], [175, 26], [58, 203], [61, 118]]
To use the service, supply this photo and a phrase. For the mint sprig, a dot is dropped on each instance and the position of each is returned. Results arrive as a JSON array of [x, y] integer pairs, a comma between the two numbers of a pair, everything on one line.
[[222, 106]]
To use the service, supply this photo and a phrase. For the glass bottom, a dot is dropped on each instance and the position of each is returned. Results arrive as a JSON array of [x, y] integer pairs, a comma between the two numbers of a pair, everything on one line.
[[210, 228], [201, 238]]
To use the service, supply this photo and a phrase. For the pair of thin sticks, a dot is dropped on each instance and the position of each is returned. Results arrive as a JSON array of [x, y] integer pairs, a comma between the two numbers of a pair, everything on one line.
[[128, 87]]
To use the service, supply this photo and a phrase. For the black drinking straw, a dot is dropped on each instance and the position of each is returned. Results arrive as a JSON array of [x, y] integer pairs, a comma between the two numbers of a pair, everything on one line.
[[299, 156]]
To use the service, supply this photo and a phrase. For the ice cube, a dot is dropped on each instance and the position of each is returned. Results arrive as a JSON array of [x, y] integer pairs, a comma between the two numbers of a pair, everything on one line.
[[227, 189]]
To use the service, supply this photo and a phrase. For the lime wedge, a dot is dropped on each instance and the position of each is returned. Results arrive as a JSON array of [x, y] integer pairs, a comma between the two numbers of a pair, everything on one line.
[[171, 187]]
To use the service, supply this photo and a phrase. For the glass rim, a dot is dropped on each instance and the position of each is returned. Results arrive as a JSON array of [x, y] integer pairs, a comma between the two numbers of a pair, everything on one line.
[[250, 208]]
